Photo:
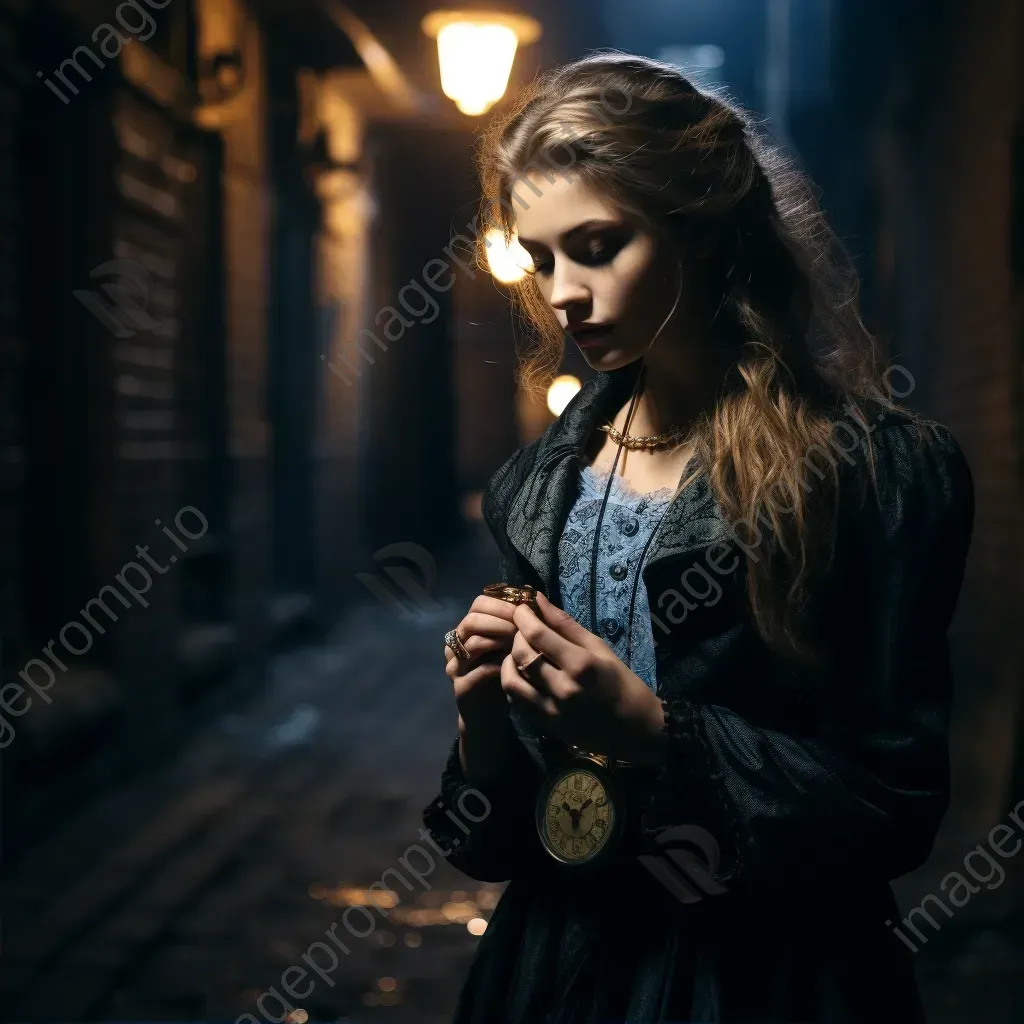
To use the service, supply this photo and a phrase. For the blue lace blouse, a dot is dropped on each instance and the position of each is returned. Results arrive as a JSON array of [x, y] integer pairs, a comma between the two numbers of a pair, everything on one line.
[[629, 518]]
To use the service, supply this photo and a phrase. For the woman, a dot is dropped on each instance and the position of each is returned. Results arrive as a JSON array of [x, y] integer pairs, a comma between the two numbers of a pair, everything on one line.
[[744, 611]]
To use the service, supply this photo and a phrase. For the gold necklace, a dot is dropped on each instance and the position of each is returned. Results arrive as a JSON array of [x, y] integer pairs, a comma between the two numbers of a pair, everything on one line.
[[650, 442]]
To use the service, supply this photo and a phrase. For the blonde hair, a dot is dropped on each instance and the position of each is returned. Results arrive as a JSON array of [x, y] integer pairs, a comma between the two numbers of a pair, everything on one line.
[[690, 163]]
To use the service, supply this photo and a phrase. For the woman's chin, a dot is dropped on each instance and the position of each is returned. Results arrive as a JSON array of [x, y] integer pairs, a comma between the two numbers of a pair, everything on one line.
[[607, 359]]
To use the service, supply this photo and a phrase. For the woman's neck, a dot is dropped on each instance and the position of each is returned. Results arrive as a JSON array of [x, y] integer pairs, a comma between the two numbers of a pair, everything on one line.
[[675, 392]]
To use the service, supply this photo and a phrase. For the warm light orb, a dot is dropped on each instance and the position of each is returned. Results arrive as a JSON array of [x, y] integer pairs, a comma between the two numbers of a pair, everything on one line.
[[507, 263], [561, 392], [476, 50]]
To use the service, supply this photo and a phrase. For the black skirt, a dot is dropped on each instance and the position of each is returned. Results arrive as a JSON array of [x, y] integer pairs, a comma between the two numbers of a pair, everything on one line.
[[617, 947]]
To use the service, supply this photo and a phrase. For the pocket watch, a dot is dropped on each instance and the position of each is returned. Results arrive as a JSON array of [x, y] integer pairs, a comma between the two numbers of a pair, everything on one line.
[[581, 810]]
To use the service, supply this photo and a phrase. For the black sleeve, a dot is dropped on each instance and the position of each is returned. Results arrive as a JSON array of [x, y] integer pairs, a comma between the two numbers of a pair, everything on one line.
[[865, 793], [504, 843], [489, 833]]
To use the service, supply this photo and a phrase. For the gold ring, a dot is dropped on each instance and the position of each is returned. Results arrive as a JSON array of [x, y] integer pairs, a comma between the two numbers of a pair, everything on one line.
[[523, 669], [512, 595], [454, 641]]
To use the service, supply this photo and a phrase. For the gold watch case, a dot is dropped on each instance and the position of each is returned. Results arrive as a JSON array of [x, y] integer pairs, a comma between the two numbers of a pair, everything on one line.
[[580, 812]]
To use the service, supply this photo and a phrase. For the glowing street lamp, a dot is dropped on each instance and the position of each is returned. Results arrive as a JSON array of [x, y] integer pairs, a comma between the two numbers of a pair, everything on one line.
[[475, 50]]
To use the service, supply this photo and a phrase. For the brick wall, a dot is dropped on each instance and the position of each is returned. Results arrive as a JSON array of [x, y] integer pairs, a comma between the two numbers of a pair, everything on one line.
[[945, 164]]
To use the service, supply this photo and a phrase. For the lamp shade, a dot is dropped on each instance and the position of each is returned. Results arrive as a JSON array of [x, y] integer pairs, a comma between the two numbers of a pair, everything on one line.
[[475, 50]]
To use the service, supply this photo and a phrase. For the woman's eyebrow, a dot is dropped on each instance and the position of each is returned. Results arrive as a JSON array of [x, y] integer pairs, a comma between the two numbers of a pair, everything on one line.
[[568, 234]]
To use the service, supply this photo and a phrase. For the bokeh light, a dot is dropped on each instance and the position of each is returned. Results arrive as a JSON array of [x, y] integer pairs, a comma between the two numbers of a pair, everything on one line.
[[507, 263], [561, 392]]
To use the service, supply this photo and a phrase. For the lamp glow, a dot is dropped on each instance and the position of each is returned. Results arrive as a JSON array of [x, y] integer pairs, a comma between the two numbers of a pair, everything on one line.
[[507, 263], [475, 50], [561, 392]]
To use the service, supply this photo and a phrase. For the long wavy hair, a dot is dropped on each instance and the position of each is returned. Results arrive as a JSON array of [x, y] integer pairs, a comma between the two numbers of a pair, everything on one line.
[[690, 163]]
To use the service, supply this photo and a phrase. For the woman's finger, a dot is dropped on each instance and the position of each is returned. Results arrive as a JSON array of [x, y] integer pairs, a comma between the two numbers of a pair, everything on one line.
[[478, 645], [524, 654], [485, 624], [521, 649], [522, 693], [561, 652], [540, 673], [466, 678], [492, 606]]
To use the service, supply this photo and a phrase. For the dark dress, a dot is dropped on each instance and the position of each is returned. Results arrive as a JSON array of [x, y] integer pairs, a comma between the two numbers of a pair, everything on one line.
[[817, 791]]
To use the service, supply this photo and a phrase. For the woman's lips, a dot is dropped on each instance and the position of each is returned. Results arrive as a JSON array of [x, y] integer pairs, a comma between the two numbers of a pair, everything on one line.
[[591, 335]]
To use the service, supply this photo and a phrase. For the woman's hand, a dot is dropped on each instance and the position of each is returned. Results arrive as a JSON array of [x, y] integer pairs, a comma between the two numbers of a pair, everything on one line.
[[580, 690], [487, 632]]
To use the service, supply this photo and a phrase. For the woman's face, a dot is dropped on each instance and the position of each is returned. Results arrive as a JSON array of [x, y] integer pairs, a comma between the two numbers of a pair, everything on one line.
[[595, 266]]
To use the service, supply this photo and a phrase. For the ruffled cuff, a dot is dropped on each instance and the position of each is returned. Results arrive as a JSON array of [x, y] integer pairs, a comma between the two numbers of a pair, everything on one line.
[[689, 791]]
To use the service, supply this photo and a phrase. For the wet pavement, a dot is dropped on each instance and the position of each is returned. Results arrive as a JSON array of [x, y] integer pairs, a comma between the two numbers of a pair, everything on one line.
[[193, 893]]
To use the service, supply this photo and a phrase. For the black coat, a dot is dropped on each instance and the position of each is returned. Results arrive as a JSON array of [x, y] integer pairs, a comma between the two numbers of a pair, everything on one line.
[[817, 795]]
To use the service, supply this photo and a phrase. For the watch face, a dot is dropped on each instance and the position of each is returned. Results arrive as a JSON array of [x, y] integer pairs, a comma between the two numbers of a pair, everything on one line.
[[577, 817]]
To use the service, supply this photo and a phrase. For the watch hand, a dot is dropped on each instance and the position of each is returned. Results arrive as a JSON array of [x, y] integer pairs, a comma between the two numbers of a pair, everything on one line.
[[566, 807], [586, 803]]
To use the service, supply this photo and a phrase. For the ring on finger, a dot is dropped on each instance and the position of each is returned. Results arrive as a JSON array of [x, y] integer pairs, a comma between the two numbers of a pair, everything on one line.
[[513, 595], [454, 641], [524, 669]]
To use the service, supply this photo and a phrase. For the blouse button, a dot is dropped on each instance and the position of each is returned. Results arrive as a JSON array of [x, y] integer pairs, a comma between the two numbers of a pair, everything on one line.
[[610, 628], [618, 571], [630, 527]]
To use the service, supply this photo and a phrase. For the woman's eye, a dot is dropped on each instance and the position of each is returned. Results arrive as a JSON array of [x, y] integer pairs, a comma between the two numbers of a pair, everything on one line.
[[601, 250], [594, 253]]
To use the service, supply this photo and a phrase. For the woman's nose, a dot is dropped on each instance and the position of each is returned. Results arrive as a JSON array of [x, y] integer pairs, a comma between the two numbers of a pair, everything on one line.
[[567, 289]]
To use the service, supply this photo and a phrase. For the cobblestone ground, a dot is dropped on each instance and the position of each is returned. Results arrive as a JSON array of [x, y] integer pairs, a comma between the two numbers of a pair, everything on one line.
[[187, 894]]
